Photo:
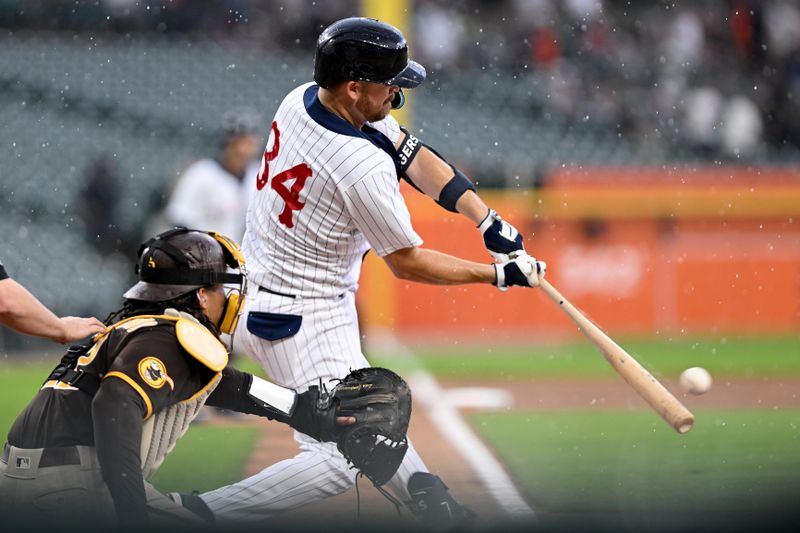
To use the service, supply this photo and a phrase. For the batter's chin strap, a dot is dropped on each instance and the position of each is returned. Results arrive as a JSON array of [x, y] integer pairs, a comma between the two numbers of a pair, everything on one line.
[[452, 190]]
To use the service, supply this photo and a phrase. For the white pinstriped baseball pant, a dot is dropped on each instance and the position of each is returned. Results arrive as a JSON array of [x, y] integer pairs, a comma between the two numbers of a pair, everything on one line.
[[327, 346]]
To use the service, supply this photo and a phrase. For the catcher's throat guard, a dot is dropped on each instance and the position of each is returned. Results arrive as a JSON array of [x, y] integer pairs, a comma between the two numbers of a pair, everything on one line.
[[380, 400]]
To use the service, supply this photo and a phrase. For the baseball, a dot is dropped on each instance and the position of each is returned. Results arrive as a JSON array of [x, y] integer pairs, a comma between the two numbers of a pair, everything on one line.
[[696, 380]]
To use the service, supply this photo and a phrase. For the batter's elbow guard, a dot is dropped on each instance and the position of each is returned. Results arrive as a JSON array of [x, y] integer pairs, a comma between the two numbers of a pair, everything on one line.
[[454, 189]]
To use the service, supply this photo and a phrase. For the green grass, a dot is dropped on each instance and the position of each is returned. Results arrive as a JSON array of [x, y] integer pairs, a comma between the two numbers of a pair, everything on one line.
[[630, 462], [19, 382], [568, 462], [734, 357], [207, 457]]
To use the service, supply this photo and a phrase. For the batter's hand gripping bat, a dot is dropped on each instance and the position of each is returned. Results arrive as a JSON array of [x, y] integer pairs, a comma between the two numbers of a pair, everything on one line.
[[648, 387]]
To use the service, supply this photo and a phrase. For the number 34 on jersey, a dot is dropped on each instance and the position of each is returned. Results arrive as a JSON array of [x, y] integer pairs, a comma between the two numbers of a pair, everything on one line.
[[290, 195]]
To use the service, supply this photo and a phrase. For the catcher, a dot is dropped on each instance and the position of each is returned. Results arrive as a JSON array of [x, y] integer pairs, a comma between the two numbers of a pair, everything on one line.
[[108, 415]]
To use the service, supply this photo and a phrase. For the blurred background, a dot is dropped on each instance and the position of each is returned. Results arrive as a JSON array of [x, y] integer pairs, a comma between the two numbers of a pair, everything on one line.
[[105, 103], [650, 152]]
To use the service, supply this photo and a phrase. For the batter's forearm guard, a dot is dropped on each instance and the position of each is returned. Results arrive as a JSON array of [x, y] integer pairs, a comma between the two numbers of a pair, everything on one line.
[[454, 189]]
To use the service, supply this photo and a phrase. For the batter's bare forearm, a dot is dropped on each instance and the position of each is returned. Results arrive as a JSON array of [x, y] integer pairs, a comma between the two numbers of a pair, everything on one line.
[[436, 268], [431, 173], [471, 206]]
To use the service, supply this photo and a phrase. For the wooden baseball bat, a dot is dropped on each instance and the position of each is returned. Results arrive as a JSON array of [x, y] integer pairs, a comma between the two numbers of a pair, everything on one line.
[[648, 387]]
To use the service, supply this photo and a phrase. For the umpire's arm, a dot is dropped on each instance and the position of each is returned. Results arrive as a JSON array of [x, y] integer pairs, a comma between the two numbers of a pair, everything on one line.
[[22, 311]]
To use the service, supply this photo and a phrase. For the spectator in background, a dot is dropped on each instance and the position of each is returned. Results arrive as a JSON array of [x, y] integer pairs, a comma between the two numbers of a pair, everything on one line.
[[742, 127], [99, 205], [213, 193], [439, 35], [701, 119], [22, 312]]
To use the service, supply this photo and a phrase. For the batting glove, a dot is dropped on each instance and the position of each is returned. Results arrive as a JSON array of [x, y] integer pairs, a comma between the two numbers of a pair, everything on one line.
[[500, 238], [522, 271]]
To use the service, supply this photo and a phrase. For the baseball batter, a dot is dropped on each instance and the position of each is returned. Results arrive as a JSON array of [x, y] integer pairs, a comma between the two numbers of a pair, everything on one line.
[[328, 193]]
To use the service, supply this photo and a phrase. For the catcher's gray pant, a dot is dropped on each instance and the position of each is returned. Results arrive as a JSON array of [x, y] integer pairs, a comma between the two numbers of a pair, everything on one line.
[[327, 346], [34, 488]]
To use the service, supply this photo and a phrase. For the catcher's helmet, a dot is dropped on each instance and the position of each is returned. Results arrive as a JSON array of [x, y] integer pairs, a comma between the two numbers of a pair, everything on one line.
[[181, 260], [364, 49]]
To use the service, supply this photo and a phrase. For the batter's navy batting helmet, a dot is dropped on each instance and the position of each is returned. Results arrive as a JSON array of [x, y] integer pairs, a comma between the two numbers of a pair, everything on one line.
[[364, 49]]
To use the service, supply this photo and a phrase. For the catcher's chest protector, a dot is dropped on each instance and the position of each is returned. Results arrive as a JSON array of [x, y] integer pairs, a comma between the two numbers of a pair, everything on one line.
[[162, 430]]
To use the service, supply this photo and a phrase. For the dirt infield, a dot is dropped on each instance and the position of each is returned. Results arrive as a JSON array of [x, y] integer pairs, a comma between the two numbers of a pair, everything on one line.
[[277, 443]]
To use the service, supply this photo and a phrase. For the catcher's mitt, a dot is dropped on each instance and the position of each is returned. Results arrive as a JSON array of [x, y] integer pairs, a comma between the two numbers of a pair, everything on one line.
[[380, 401]]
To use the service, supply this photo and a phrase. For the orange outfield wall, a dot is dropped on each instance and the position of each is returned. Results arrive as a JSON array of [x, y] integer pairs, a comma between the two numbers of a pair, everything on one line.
[[641, 251]]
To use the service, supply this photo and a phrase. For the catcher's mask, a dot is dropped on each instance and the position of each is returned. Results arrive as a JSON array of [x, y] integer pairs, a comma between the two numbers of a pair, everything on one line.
[[181, 260]]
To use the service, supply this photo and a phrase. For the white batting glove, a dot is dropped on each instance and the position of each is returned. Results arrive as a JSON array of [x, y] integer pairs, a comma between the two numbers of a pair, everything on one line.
[[501, 239], [522, 271]]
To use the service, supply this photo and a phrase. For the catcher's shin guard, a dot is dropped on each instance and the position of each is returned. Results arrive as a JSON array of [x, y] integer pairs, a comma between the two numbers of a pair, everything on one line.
[[433, 504]]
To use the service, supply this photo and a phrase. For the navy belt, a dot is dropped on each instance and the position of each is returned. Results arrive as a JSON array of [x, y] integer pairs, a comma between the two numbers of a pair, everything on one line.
[[56, 456]]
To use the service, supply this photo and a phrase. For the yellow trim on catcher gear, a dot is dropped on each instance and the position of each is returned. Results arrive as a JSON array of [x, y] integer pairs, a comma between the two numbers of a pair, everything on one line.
[[92, 353], [138, 323], [201, 344], [55, 384], [129, 324], [127, 379]]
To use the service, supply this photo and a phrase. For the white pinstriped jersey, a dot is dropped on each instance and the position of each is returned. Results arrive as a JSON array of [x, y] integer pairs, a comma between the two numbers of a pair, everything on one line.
[[326, 194]]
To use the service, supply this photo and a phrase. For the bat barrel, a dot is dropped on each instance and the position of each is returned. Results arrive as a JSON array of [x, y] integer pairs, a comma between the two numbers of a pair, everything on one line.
[[640, 380]]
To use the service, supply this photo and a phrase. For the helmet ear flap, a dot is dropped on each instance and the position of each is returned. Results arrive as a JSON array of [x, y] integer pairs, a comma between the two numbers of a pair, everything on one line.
[[230, 314]]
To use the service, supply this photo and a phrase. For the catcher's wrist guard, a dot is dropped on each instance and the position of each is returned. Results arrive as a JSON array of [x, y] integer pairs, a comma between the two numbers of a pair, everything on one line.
[[314, 414]]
